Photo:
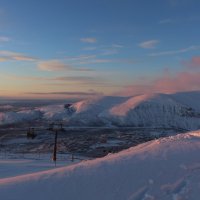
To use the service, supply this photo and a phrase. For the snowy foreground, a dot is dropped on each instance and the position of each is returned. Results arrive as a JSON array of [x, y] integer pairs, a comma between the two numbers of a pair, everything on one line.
[[167, 168]]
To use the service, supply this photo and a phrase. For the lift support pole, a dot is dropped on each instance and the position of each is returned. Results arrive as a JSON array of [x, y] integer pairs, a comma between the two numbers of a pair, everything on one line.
[[55, 147]]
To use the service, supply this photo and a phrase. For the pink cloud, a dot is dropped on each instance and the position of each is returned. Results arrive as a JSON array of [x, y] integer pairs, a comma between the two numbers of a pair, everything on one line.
[[183, 81], [167, 83], [193, 63]]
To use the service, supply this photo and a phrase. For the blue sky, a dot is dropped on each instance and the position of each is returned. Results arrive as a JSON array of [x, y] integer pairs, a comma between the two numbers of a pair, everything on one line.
[[58, 48]]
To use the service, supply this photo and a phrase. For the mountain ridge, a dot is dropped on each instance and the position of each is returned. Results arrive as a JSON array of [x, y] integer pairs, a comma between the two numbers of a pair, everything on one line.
[[180, 110]]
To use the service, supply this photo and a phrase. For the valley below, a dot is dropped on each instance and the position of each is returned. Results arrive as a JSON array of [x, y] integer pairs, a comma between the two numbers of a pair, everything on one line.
[[77, 142]]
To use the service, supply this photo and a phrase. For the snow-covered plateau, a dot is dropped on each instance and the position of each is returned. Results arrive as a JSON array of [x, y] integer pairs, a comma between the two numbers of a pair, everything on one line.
[[180, 110], [163, 169]]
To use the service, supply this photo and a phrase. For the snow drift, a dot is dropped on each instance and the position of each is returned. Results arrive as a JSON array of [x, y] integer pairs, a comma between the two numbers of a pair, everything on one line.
[[164, 169]]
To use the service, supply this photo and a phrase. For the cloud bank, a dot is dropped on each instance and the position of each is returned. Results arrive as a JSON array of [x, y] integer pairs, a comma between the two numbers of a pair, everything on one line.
[[10, 55], [194, 63], [167, 83], [188, 79], [174, 52], [4, 39], [89, 40], [67, 93], [56, 65], [150, 44]]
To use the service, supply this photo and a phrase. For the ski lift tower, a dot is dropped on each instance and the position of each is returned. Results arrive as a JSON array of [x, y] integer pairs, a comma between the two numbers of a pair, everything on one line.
[[55, 127]]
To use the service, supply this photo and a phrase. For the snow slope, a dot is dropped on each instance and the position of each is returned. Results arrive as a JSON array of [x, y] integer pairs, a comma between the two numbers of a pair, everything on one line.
[[156, 110], [180, 110], [166, 169]]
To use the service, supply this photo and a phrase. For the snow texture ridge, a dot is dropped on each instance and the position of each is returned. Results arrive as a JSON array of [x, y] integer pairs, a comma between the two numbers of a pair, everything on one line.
[[166, 169]]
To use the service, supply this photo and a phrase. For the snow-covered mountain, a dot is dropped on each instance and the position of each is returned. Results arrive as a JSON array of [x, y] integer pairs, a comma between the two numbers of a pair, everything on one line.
[[163, 169], [180, 110]]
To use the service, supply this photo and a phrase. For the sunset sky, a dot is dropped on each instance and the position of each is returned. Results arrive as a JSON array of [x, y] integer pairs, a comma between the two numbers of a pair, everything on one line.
[[69, 48]]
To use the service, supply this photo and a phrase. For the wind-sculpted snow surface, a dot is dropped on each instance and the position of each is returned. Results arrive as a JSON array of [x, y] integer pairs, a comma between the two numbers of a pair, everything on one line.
[[166, 169], [21, 116], [181, 110]]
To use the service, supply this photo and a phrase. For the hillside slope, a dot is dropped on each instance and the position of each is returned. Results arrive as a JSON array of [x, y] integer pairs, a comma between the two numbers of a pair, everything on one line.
[[164, 169]]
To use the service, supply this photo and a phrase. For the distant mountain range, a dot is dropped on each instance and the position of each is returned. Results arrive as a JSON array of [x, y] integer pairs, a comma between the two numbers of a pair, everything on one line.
[[180, 110]]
